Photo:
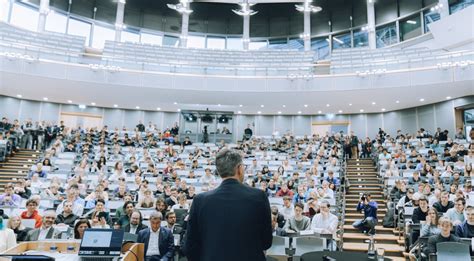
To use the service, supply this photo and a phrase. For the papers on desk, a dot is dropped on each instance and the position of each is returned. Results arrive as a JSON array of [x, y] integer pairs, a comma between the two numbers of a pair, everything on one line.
[[306, 232]]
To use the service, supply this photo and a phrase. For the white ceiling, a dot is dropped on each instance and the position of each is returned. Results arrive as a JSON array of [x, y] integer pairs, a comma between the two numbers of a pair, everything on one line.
[[128, 97]]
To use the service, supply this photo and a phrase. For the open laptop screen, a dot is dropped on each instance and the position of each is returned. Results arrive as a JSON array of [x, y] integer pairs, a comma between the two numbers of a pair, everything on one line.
[[102, 240]]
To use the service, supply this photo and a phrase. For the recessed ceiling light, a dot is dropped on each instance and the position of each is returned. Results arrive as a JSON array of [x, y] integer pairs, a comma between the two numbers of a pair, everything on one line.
[[279, 112], [259, 112], [350, 104], [320, 112], [411, 22], [219, 104], [137, 107], [340, 111], [175, 103], [422, 100], [158, 109], [447, 97], [93, 103], [306, 105], [45, 98], [240, 105], [373, 103], [261, 106], [179, 110], [19, 95], [327, 105], [284, 106], [239, 112], [383, 109], [397, 101], [361, 110], [299, 112], [69, 101], [115, 105]]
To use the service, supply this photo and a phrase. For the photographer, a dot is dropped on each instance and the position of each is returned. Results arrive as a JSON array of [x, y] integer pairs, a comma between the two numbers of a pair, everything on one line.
[[367, 225]]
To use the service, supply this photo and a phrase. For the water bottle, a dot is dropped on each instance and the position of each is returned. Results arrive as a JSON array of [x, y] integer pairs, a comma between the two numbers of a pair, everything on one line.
[[371, 250], [53, 248]]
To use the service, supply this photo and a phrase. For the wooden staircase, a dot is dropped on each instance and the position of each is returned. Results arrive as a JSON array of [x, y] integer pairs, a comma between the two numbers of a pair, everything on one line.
[[362, 177], [17, 166]]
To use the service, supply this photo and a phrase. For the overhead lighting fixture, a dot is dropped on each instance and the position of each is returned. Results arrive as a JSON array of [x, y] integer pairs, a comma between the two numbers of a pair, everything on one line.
[[327, 40], [448, 97], [175, 103], [45, 98], [337, 40], [361, 110], [137, 107], [284, 106], [397, 101], [373, 103], [115, 105], [327, 105], [306, 105], [279, 112], [122, 1], [259, 112], [411, 22], [19, 96], [383, 109], [182, 8], [422, 100], [240, 105], [239, 112], [299, 112], [219, 105], [158, 109], [320, 112], [261, 106], [350, 104], [307, 7], [179, 110], [69, 101], [93, 103], [340, 111], [245, 10]]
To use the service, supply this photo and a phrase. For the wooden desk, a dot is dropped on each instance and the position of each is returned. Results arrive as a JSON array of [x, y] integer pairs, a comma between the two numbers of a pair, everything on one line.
[[130, 251]]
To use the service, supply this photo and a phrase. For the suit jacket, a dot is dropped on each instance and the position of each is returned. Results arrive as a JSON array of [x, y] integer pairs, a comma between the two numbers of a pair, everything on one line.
[[166, 242], [34, 234], [231, 222], [139, 228]]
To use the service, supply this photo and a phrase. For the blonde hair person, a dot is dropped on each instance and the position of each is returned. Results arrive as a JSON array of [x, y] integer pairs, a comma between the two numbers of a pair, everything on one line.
[[7, 237]]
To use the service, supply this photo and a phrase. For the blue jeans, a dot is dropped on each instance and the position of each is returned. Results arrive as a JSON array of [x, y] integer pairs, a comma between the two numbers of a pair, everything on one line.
[[367, 224]]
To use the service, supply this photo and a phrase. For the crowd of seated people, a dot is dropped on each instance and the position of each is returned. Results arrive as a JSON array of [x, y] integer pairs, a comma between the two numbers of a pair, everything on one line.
[[100, 178], [428, 180]]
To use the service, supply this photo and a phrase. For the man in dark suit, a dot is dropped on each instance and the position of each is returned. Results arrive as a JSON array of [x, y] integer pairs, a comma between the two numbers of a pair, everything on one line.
[[136, 224], [231, 222], [159, 241]]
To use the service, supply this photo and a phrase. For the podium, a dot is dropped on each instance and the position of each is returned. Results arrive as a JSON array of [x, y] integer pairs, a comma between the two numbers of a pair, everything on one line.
[[68, 250]]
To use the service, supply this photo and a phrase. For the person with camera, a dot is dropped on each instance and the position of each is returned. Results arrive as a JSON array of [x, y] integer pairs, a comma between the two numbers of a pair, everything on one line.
[[369, 207]]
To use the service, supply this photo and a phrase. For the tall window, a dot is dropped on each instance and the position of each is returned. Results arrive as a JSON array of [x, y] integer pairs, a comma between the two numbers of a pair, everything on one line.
[[386, 35], [341, 41], [216, 42], [361, 38], [151, 39], [430, 17], [169, 40], [410, 27], [321, 47], [102, 34], [24, 17], [79, 28], [56, 22]]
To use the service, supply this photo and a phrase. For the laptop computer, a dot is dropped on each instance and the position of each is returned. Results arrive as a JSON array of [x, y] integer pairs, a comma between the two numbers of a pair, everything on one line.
[[101, 244]]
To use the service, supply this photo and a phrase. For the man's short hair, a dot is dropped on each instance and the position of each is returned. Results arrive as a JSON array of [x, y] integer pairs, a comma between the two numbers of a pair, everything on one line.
[[463, 201], [325, 202], [468, 208], [286, 198], [423, 198], [227, 161], [156, 215], [29, 201], [168, 214], [299, 204], [444, 220]]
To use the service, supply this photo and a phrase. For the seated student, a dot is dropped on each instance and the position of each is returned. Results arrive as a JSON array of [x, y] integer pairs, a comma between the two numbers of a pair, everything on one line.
[[170, 218], [207, 177], [136, 224], [300, 196], [147, 200], [72, 195], [332, 180], [51, 193], [21, 189], [466, 229], [46, 231], [420, 213], [182, 203], [19, 229], [39, 170], [456, 214], [31, 212], [430, 226], [325, 220], [9, 199], [284, 191], [406, 201], [128, 210], [120, 211], [298, 222], [7, 237], [444, 204], [277, 231], [159, 241], [280, 218], [66, 217], [81, 225], [445, 226], [287, 209]]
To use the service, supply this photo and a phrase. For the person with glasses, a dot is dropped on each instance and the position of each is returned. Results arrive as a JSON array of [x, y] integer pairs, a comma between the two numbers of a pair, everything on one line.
[[456, 214]]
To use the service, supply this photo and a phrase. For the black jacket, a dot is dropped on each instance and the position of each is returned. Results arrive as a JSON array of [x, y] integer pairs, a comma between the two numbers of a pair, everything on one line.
[[139, 228], [231, 222]]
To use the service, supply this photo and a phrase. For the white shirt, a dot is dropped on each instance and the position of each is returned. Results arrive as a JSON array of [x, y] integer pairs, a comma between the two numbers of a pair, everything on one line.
[[153, 243], [328, 224], [133, 229], [43, 233], [7, 239]]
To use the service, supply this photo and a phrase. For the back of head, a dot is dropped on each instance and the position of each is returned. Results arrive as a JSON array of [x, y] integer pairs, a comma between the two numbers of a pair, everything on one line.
[[227, 161]]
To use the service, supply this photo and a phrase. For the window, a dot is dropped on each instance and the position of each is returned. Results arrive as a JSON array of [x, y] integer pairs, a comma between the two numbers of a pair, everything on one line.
[[341, 41], [280, 43], [24, 17], [216, 42], [321, 47], [169, 40], [459, 5], [4, 9], [151, 39], [131, 37], [196, 42], [386, 35], [430, 17], [295, 43], [361, 38], [257, 45], [410, 27], [56, 22], [79, 28], [102, 34], [235, 44]]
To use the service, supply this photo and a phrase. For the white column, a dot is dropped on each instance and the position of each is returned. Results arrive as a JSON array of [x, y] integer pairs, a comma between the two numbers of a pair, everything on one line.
[[444, 11], [43, 14], [246, 36], [119, 20], [184, 29], [371, 23], [4, 10], [307, 30]]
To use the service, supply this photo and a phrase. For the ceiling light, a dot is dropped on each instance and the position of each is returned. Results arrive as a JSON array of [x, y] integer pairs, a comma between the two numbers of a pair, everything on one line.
[[115, 105], [137, 107], [93, 103], [69, 101], [284, 106], [327, 105], [179, 110], [320, 112], [261, 106], [411, 22], [340, 111], [45, 98], [158, 109], [361, 110], [19, 95], [350, 104], [259, 112], [299, 112], [383, 109], [447, 97], [337, 40], [397, 101], [373, 103], [422, 100], [219, 104], [279, 112], [239, 112], [240, 105], [175, 103], [306, 105]]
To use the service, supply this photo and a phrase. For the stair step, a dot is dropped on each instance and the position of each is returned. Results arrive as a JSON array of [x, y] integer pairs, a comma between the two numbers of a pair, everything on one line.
[[362, 236], [352, 220], [378, 229], [390, 249]]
